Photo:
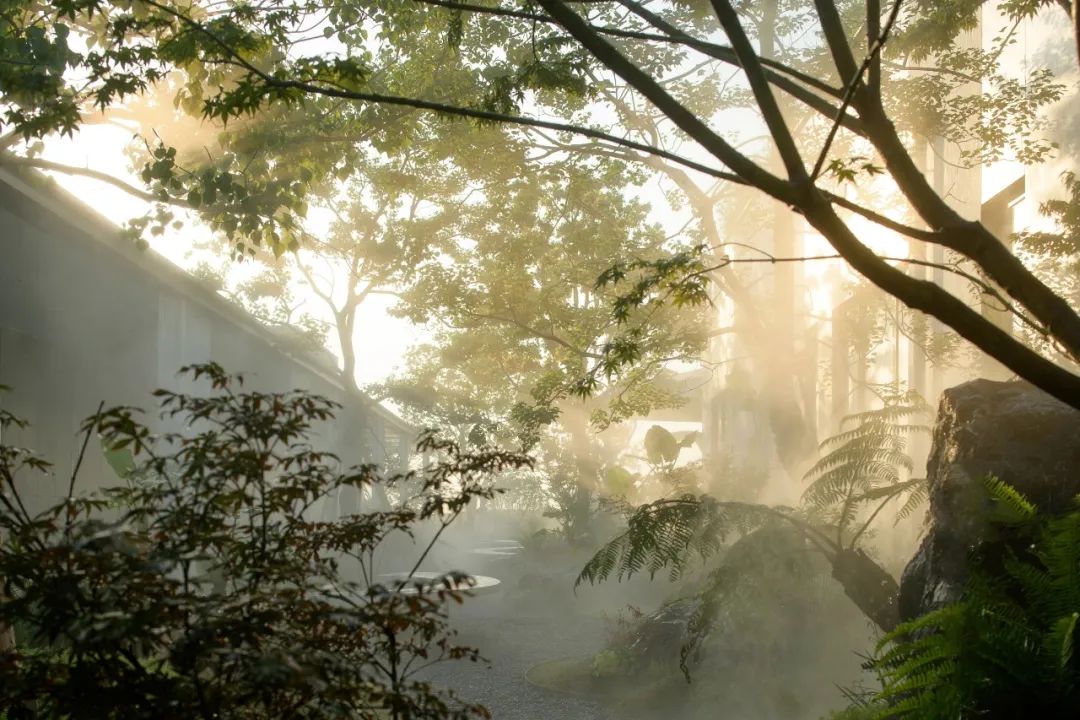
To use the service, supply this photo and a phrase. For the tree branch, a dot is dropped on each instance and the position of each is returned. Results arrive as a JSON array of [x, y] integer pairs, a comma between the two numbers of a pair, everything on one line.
[[770, 110], [535, 333], [270, 81], [969, 238], [836, 38], [950, 229], [938, 303], [722, 52], [777, 74], [686, 120], [870, 63], [42, 164]]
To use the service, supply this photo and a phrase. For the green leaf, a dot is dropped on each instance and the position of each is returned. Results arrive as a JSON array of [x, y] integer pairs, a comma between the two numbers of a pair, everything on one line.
[[119, 458]]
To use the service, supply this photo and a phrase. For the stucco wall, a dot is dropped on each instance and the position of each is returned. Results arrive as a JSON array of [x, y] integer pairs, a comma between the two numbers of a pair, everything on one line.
[[86, 317]]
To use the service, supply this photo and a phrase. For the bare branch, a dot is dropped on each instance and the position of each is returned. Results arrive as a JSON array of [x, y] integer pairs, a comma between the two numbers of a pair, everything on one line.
[[42, 164], [722, 52], [686, 120]]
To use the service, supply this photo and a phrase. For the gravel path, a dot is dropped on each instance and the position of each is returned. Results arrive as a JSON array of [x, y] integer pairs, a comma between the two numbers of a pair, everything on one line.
[[515, 630], [513, 644]]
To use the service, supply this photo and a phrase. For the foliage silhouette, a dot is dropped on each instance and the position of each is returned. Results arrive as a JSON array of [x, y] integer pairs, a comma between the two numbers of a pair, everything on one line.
[[203, 587], [1007, 649], [899, 76]]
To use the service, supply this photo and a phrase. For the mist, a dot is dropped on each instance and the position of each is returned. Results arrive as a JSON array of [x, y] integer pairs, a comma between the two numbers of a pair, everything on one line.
[[572, 361]]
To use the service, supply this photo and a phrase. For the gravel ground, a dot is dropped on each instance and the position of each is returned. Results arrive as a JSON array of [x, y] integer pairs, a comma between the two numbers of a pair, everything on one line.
[[513, 644], [516, 628]]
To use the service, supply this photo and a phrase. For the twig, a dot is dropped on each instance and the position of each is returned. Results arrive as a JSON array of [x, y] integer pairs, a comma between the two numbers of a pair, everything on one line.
[[82, 451]]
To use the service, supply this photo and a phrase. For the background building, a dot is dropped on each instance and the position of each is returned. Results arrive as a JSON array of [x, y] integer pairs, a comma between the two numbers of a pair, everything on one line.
[[86, 317]]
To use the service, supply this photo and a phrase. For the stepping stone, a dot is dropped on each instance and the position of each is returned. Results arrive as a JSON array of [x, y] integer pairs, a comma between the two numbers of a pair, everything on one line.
[[482, 583]]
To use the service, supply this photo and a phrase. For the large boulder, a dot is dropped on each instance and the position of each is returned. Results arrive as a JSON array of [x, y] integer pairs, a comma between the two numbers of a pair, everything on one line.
[[1010, 430]]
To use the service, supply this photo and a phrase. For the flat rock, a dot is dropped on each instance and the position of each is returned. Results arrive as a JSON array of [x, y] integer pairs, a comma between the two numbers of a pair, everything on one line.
[[432, 581]]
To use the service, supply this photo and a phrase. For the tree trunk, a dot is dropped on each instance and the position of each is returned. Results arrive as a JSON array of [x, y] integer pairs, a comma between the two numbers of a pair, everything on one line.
[[344, 322], [1076, 26], [871, 587]]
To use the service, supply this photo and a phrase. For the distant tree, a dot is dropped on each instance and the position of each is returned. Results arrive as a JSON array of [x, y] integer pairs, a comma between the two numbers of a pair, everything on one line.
[[521, 329], [517, 287], [270, 295], [391, 216]]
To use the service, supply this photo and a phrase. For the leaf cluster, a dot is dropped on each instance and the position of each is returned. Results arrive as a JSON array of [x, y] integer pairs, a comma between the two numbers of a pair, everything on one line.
[[203, 587], [966, 94], [1008, 647], [670, 533], [865, 465]]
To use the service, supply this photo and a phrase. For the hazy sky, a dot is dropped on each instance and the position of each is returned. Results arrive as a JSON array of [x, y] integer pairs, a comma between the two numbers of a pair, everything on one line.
[[381, 339]]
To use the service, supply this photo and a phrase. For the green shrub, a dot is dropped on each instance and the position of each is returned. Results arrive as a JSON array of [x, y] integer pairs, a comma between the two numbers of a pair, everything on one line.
[[1007, 649], [201, 588]]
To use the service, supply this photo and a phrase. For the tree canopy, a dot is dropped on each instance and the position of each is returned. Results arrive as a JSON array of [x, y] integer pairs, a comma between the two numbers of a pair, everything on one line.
[[358, 73]]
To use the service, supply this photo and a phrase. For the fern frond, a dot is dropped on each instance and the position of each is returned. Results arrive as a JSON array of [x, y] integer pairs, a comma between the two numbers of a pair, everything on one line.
[[667, 533], [920, 493], [887, 491], [1008, 648], [1061, 640], [908, 406], [856, 453], [1010, 506], [866, 462], [845, 484], [1037, 584], [920, 626], [898, 431]]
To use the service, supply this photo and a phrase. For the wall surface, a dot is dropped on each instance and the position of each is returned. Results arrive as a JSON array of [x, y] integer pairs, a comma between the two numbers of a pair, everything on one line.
[[85, 317]]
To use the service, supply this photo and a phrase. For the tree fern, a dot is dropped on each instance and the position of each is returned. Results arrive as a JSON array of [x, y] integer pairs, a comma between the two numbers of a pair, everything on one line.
[[864, 467], [862, 471], [668, 533]]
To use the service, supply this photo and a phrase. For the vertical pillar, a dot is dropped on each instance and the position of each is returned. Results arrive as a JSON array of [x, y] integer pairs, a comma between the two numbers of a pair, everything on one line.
[[841, 371], [999, 217]]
